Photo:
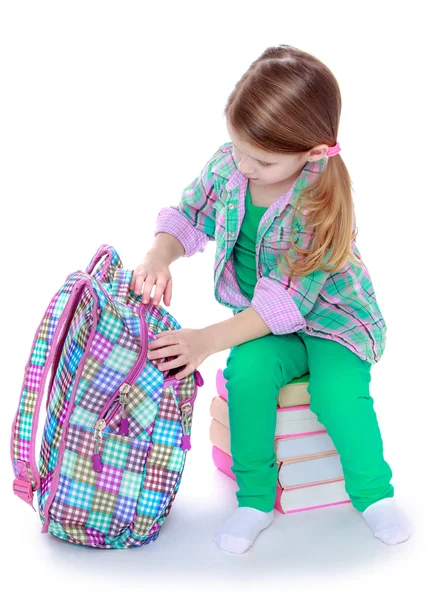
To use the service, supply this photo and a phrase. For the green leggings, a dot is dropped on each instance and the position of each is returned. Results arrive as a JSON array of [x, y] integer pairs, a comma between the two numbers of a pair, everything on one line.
[[339, 393]]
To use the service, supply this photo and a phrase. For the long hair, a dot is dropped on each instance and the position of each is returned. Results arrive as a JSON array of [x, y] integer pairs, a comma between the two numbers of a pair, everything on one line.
[[289, 101]]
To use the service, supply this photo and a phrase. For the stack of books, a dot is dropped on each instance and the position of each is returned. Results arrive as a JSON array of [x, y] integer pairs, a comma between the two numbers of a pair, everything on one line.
[[310, 474]]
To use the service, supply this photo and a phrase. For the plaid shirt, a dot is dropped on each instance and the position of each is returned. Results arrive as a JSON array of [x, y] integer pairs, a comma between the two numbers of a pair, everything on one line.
[[340, 306]]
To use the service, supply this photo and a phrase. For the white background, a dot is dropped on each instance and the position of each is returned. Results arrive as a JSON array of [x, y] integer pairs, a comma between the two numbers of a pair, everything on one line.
[[108, 110]]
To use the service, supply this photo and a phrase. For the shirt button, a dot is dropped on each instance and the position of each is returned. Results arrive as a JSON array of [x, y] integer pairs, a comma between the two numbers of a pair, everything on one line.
[[231, 234], [231, 206]]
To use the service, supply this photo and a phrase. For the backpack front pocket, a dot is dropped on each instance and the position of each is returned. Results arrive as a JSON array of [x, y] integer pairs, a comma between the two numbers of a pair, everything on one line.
[[130, 411], [91, 502]]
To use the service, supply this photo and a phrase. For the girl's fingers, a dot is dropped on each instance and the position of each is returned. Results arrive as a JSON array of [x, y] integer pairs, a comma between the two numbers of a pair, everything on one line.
[[159, 289], [172, 364], [148, 284], [162, 352], [138, 276], [184, 373], [168, 292]]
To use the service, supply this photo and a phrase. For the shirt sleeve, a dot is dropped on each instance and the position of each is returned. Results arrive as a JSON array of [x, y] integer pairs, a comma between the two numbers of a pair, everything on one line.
[[193, 220], [283, 302]]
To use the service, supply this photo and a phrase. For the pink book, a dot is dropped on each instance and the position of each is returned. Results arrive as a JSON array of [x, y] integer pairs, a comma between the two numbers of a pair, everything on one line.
[[220, 384], [298, 498]]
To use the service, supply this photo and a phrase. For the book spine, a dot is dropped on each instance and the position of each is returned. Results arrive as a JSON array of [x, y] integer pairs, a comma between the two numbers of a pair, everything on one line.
[[220, 436], [223, 462], [305, 457], [295, 510], [290, 436], [302, 485], [278, 503], [220, 385]]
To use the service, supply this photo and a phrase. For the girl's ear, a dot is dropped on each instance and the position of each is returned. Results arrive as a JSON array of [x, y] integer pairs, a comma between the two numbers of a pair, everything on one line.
[[317, 153]]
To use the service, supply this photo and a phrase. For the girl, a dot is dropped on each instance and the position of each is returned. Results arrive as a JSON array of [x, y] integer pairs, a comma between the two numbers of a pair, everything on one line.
[[277, 201]]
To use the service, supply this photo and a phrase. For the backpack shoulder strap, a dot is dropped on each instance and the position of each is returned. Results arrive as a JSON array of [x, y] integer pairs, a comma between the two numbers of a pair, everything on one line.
[[50, 333], [44, 355]]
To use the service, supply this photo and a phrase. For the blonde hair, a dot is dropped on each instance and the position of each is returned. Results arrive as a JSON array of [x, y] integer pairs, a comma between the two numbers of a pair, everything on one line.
[[289, 101]]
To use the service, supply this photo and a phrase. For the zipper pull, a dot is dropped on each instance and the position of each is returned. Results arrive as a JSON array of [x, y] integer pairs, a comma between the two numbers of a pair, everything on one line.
[[198, 379], [186, 409], [97, 463], [124, 423]]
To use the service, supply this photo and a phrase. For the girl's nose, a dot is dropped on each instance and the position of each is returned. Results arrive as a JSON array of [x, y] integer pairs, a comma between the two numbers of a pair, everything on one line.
[[244, 168]]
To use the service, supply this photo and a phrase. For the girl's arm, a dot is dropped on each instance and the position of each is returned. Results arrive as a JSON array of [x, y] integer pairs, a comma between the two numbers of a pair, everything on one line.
[[168, 246], [193, 220], [243, 327]]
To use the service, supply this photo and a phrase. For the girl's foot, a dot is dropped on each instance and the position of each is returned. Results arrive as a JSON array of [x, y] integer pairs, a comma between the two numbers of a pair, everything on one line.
[[387, 521], [239, 532]]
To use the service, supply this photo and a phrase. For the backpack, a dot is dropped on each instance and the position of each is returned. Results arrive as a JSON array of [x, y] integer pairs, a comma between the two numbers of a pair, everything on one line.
[[117, 428]]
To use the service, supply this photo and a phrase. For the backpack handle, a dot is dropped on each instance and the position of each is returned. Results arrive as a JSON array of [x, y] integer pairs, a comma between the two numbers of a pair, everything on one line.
[[111, 272], [112, 261]]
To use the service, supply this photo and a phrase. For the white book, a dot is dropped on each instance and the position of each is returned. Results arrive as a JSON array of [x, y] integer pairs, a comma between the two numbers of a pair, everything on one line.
[[312, 496], [289, 421], [300, 446], [303, 446], [313, 470]]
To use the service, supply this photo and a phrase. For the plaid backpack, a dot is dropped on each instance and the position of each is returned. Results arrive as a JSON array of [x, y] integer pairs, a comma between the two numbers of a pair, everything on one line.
[[117, 428]]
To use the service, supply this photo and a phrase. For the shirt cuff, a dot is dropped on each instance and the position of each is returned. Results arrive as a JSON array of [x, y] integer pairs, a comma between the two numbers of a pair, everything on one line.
[[170, 220], [274, 305]]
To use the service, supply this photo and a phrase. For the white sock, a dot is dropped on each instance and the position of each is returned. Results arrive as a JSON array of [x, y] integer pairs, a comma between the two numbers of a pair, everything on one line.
[[239, 532], [387, 521]]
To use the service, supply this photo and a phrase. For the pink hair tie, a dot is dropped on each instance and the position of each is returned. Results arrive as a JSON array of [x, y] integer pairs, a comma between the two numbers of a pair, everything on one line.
[[334, 150]]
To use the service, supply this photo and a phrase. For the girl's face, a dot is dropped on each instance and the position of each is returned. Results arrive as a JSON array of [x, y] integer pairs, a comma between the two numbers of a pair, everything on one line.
[[266, 168]]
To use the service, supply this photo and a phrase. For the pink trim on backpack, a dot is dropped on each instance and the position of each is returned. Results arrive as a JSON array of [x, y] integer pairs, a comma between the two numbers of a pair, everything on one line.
[[22, 486], [56, 473], [68, 313]]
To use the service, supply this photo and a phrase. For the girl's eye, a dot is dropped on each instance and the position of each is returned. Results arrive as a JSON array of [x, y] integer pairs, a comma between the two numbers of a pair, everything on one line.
[[259, 161]]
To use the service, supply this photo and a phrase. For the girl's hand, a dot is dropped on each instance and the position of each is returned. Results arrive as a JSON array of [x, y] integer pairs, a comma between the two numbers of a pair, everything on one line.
[[153, 271], [190, 347]]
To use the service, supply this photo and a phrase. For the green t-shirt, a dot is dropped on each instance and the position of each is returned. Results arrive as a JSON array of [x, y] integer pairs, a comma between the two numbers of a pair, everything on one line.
[[244, 253]]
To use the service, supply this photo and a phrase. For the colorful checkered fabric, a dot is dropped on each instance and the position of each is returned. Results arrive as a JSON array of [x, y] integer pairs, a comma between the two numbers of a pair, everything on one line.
[[96, 486], [341, 306]]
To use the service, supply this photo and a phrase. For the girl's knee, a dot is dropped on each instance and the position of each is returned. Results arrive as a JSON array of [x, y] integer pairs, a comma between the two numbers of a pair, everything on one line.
[[333, 382], [333, 400], [266, 355], [251, 358]]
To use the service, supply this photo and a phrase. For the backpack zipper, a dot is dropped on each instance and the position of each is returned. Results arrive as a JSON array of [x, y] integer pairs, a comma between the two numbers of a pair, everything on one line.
[[120, 400], [185, 406], [122, 392], [186, 409]]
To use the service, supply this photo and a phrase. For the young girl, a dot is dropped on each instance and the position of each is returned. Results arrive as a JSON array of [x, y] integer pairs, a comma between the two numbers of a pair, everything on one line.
[[277, 202]]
